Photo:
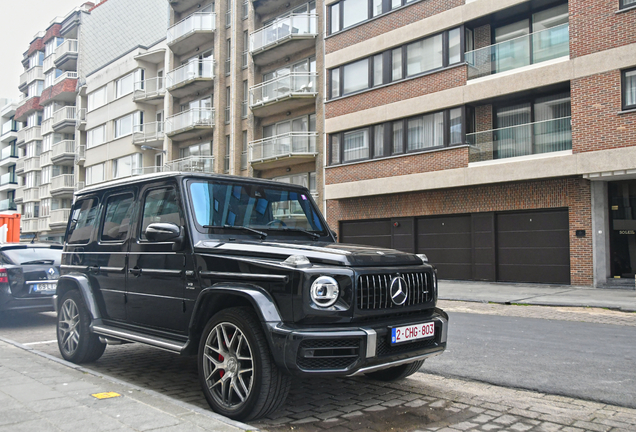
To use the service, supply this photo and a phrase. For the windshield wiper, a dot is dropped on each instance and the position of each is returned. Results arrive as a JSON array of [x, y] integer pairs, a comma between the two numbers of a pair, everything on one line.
[[313, 234], [239, 227], [38, 262]]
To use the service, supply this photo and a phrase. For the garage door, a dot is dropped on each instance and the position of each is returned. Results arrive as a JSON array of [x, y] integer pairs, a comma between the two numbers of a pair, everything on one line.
[[447, 241], [533, 247], [372, 233]]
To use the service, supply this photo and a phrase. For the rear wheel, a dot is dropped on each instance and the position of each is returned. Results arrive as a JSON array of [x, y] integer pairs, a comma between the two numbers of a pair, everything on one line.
[[236, 369], [397, 372], [76, 342]]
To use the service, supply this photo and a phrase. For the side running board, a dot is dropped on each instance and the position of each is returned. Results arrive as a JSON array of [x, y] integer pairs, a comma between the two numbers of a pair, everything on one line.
[[129, 336]]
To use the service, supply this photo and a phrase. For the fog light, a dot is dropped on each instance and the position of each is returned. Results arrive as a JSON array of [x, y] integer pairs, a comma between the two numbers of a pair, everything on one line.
[[325, 291]]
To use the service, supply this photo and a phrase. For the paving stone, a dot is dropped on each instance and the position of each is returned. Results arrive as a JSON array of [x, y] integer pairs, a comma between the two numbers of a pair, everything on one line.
[[521, 427], [591, 426], [464, 426], [416, 403], [491, 427], [506, 420], [482, 418]]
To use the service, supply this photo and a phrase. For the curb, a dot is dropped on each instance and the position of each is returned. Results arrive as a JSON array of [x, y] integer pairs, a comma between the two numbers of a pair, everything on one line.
[[522, 302], [185, 405]]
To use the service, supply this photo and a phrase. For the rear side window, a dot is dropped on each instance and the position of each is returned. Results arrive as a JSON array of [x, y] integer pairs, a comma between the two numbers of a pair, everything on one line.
[[117, 220], [83, 219], [160, 206]]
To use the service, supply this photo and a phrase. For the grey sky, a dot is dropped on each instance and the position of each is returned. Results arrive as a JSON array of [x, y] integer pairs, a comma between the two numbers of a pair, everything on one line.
[[21, 20]]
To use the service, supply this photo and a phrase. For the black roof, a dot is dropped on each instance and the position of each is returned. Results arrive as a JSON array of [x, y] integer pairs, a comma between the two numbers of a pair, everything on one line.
[[4, 246]]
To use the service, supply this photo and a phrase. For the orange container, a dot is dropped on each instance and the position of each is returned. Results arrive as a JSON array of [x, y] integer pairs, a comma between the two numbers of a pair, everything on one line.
[[12, 223]]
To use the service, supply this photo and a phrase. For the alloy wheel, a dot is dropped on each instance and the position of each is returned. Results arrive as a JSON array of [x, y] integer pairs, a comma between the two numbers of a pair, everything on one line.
[[67, 326]]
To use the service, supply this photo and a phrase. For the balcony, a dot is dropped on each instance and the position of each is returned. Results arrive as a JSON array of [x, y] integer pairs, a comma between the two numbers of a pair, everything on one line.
[[66, 75], [80, 154], [47, 126], [43, 223], [20, 138], [191, 32], [19, 195], [49, 63], [183, 5], [80, 119], [31, 194], [29, 225], [59, 218], [190, 123], [27, 106], [45, 158], [63, 90], [27, 77], [45, 191], [8, 205], [522, 140], [62, 185], [150, 134], [523, 51], [31, 164], [283, 37], [192, 77], [285, 93], [64, 120], [66, 55], [283, 150], [8, 155], [150, 91], [8, 179], [63, 153], [19, 166], [191, 164], [9, 131], [32, 133]]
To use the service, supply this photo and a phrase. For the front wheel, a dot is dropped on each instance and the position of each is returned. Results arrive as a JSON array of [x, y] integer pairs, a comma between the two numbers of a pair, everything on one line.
[[76, 342], [236, 369], [397, 372]]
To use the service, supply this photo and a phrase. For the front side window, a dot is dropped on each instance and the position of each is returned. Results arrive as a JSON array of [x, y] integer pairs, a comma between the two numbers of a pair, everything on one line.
[[160, 206], [629, 88], [118, 217], [83, 219]]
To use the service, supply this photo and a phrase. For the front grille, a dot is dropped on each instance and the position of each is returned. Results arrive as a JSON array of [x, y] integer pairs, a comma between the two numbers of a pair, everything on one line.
[[330, 354], [372, 290], [385, 348]]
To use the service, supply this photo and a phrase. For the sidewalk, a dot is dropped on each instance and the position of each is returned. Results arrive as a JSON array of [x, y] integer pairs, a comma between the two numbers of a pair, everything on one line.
[[43, 394], [533, 294]]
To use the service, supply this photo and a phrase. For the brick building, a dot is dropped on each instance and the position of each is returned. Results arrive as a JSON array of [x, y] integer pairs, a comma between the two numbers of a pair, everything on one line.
[[497, 137]]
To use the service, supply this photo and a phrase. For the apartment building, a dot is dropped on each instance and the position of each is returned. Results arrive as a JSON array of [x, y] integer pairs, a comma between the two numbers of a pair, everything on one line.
[[8, 156], [497, 137]]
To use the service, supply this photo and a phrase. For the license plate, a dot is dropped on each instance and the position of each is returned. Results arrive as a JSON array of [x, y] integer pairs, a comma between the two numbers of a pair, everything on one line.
[[412, 332], [44, 288]]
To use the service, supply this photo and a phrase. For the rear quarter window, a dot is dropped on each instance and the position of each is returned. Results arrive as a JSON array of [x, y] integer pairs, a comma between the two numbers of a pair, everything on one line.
[[83, 220]]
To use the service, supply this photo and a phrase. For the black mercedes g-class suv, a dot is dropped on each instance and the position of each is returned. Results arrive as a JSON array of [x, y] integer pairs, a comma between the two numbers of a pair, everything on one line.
[[246, 274]]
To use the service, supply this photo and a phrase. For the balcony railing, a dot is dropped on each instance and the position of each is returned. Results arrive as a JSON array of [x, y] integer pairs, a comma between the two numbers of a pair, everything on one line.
[[285, 145], [63, 149], [80, 154], [47, 126], [60, 216], [65, 75], [35, 73], [45, 158], [69, 46], [200, 21], [189, 119], [49, 63], [192, 70], [64, 114], [522, 51], [299, 83], [29, 225], [9, 152], [150, 88], [32, 133], [191, 164], [43, 223], [289, 27], [19, 194], [32, 163], [80, 118], [21, 136], [9, 126], [31, 194], [148, 132], [61, 182], [7, 205], [45, 191], [19, 166], [522, 140], [8, 178]]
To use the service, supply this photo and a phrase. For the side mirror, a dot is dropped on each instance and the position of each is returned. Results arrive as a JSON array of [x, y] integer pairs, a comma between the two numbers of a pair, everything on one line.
[[163, 232], [333, 233]]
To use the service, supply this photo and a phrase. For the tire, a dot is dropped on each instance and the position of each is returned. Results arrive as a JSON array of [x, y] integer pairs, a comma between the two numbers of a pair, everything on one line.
[[233, 341], [76, 342], [397, 372]]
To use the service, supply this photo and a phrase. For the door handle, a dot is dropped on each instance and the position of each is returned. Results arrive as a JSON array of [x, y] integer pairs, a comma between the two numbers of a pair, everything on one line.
[[135, 271]]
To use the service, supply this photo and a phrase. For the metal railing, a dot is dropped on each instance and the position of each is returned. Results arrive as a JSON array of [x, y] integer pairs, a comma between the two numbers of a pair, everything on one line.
[[518, 52], [35, 73], [522, 140], [200, 21], [60, 216], [69, 46], [64, 76], [80, 117], [66, 113], [45, 158], [64, 181], [8, 178], [191, 164], [149, 88], [289, 144], [63, 148], [298, 83], [10, 151], [191, 118], [294, 25], [7, 205], [148, 132], [192, 70], [80, 154]]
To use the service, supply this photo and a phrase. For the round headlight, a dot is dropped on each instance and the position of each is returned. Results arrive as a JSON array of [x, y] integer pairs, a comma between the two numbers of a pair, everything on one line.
[[325, 291]]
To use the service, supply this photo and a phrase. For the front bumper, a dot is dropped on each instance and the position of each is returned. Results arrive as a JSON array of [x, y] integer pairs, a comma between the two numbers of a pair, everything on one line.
[[354, 350]]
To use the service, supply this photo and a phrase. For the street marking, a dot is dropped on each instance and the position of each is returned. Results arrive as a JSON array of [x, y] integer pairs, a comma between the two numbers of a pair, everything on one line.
[[40, 343], [106, 395]]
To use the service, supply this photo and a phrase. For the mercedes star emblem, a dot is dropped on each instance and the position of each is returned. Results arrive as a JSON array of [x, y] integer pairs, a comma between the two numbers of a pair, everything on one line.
[[398, 291]]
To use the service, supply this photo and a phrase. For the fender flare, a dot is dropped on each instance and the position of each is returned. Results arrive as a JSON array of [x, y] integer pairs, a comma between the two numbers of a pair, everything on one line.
[[84, 286]]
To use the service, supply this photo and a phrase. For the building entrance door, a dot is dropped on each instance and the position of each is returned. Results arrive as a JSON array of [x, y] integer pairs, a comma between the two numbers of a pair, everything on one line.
[[622, 201]]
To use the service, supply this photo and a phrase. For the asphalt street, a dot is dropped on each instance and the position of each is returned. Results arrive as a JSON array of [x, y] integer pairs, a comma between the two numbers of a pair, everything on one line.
[[576, 359]]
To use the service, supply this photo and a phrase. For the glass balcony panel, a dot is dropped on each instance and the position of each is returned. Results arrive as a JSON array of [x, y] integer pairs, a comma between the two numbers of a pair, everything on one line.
[[191, 164], [201, 21], [284, 86], [530, 49], [189, 71], [289, 26], [190, 118], [7, 205], [289, 144], [9, 126], [9, 152], [148, 132], [521, 140], [8, 178]]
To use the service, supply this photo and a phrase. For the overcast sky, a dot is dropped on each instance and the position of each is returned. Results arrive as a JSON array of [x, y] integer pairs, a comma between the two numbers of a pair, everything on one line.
[[21, 20]]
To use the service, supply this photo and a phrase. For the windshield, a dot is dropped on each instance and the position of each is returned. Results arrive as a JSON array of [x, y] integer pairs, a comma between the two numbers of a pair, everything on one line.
[[32, 255], [263, 208]]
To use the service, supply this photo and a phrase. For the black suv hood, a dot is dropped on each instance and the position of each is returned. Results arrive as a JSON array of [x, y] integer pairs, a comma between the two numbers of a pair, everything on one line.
[[317, 252]]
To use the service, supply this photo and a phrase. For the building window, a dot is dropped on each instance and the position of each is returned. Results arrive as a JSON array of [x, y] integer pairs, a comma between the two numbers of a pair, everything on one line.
[[203, 149], [126, 125], [94, 174], [96, 136], [97, 98], [356, 76], [629, 88], [228, 149], [244, 152], [124, 85], [356, 145], [245, 98], [627, 3], [246, 47], [127, 166], [335, 83]]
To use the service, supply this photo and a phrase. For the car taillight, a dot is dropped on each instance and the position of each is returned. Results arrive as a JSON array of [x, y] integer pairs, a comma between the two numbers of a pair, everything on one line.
[[4, 276]]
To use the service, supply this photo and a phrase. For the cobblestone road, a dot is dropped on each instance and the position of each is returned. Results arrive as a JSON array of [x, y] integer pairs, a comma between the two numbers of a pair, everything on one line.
[[422, 402]]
